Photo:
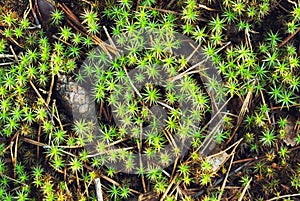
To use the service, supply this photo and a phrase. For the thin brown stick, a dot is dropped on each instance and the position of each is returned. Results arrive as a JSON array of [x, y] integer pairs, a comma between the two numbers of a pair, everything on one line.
[[174, 167], [55, 109], [76, 24], [294, 148], [137, 5], [30, 141], [13, 52], [72, 16], [12, 179], [264, 102], [111, 42], [169, 187], [244, 160], [284, 196], [242, 113], [281, 107], [287, 39], [210, 137], [38, 139], [44, 145], [11, 39], [13, 160], [38, 94], [51, 86], [229, 168], [139, 144], [244, 190], [283, 8]]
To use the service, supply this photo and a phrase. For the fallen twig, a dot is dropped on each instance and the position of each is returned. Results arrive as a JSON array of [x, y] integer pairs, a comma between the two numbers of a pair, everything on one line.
[[284, 196], [230, 165], [287, 39], [98, 189]]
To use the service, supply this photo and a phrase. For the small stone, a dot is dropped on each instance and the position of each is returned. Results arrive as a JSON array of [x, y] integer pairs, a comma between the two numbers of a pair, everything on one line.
[[290, 138], [44, 9], [83, 109]]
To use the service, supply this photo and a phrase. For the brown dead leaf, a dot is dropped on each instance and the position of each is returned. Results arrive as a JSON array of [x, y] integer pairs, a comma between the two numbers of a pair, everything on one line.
[[217, 160]]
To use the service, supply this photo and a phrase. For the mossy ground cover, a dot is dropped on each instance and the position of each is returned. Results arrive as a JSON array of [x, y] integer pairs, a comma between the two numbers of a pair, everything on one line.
[[192, 100]]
